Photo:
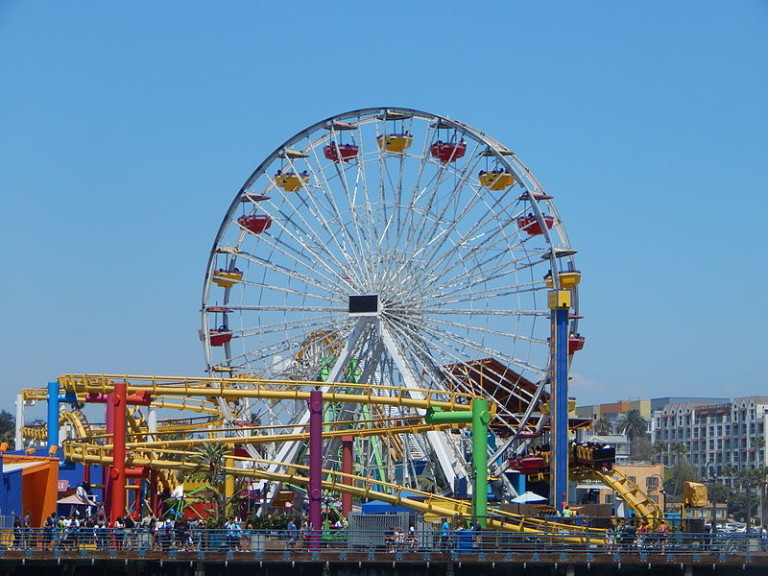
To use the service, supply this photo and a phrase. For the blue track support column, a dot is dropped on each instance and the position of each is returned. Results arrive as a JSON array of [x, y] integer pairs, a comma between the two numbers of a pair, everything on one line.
[[559, 304], [53, 414]]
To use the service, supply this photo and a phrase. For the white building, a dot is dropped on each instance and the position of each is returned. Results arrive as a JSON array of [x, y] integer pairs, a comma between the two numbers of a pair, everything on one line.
[[715, 435]]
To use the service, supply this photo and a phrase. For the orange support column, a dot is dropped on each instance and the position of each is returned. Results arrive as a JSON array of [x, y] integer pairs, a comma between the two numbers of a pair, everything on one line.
[[117, 471]]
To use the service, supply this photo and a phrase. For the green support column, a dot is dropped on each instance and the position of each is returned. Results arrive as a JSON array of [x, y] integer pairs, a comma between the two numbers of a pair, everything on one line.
[[479, 417]]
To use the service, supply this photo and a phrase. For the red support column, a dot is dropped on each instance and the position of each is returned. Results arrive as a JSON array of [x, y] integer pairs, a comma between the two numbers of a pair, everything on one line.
[[346, 468], [117, 471], [106, 471]]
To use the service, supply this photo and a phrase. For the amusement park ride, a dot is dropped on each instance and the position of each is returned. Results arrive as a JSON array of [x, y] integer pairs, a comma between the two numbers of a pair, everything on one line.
[[385, 282]]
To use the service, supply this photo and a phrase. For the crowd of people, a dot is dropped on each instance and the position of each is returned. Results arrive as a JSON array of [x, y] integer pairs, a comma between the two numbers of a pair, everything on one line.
[[631, 536]]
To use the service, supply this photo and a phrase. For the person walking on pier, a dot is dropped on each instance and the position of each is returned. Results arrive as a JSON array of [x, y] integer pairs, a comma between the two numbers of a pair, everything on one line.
[[26, 534], [293, 533], [48, 529], [662, 532], [445, 533]]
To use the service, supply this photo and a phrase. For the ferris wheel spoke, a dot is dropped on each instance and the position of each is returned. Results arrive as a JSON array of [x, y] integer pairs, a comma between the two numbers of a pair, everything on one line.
[[440, 335], [477, 238], [310, 246], [356, 241], [466, 278], [483, 332], [447, 203], [514, 391], [318, 210], [306, 279], [408, 225]]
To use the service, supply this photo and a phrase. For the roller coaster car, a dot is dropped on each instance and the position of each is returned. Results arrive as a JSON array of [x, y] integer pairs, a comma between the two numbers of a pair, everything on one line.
[[597, 457], [340, 152], [531, 226], [255, 223], [529, 465], [447, 151], [496, 179]]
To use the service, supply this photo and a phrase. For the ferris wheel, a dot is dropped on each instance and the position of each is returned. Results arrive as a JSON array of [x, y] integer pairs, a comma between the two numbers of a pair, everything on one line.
[[396, 247]]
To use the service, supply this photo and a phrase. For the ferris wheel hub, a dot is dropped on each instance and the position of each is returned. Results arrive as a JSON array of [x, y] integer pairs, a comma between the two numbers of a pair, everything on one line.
[[366, 305]]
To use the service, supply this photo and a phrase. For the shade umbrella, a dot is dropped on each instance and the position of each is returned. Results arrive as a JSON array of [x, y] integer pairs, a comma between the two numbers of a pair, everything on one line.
[[528, 497]]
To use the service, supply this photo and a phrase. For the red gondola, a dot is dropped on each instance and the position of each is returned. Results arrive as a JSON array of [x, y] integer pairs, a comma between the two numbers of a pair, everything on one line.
[[255, 223], [575, 343], [530, 225], [447, 151], [341, 152], [220, 337]]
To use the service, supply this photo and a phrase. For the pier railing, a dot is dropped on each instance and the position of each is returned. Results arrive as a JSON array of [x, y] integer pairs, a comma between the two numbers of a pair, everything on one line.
[[171, 543]]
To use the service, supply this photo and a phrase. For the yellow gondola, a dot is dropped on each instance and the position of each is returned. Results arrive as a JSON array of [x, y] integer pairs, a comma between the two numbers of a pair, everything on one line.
[[395, 143], [227, 278], [291, 181], [497, 179], [568, 279]]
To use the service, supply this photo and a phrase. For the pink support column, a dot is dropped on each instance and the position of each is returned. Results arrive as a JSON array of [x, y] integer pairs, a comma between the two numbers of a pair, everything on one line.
[[346, 468], [154, 497], [117, 472], [315, 487]]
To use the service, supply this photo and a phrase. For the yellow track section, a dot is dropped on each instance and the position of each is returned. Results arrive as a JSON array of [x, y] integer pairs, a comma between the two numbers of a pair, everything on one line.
[[643, 505], [240, 388], [138, 428], [198, 405]]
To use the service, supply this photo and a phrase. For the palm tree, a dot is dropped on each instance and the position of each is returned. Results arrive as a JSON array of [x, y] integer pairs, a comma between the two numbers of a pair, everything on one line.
[[602, 426], [632, 424], [209, 468], [680, 451], [8, 428], [749, 478], [635, 427]]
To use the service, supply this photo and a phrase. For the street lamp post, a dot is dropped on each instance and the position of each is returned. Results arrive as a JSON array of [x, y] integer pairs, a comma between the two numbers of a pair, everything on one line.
[[712, 480]]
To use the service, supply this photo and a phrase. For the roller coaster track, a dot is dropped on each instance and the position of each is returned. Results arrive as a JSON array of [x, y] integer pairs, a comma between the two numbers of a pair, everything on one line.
[[643, 505], [139, 430], [202, 406], [163, 450]]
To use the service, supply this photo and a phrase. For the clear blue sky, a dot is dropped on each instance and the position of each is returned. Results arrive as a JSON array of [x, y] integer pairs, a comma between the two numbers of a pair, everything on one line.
[[127, 128]]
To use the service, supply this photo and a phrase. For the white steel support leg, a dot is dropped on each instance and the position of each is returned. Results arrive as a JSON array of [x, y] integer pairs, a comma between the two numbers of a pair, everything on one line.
[[449, 463], [289, 450], [19, 421]]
